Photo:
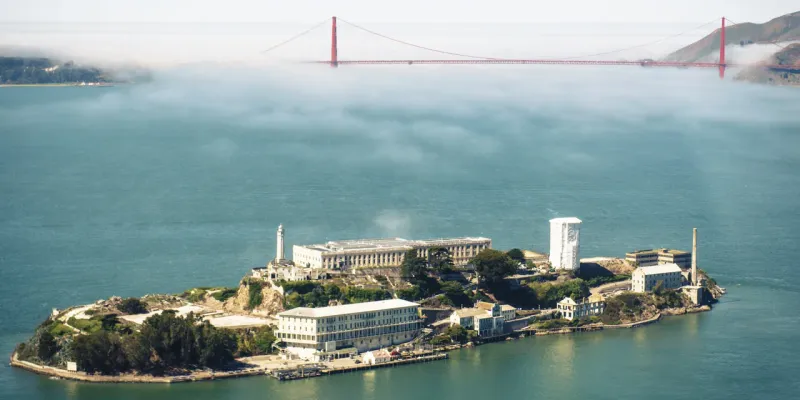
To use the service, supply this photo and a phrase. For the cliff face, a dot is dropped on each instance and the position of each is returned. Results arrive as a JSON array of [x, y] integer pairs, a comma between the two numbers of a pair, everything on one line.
[[782, 29], [271, 303], [788, 56]]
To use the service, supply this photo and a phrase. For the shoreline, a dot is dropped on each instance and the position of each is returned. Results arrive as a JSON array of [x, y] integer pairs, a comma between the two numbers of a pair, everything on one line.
[[433, 355], [54, 85]]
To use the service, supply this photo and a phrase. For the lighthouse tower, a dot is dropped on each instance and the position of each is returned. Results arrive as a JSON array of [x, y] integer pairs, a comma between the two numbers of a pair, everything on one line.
[[279, 253]]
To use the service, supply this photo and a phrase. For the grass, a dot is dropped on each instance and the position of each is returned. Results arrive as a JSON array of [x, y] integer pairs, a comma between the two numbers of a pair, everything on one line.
[[224, 294]]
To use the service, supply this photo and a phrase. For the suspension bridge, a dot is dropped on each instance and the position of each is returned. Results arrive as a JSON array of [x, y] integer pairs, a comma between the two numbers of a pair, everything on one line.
[[721, 64]]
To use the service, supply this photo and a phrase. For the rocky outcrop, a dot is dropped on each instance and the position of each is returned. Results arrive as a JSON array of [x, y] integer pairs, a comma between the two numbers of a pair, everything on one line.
[[271, 303], [789, 56]]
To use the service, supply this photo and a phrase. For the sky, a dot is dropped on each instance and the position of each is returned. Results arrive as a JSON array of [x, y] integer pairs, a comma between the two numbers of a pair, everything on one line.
[[397, 11], [171, 32]]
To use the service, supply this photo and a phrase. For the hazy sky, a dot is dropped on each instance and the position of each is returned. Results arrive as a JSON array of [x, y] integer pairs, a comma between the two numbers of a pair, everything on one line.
[[395, 11]]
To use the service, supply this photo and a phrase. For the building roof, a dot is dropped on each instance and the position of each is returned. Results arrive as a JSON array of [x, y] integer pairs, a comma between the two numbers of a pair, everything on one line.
[[380, 353], [533, 254], [506, 307], [347, 309], [388, 244], [657, 251], [469, 312], [485, 305], [566, 220], [567, 300], [660, 269]]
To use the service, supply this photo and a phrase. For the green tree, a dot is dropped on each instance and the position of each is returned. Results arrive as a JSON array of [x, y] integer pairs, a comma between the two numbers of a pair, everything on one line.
[[100, 351], [516, 255], [47, 346], [493, 265], [439, 259], [132, 305], [413, 267]]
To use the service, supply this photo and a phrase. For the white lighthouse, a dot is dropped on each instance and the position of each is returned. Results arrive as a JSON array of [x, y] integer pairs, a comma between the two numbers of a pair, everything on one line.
[[565, 243], [279, 252]]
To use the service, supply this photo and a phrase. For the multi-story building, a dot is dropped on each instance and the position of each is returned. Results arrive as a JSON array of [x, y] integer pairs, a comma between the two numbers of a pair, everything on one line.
[[644, 279], [565, 243], [488, 319], [645, 258], [324, 332], [344, 254], [571, 309]]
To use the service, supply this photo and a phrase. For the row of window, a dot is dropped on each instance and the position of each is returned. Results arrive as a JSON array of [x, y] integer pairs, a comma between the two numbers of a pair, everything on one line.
[[351, 334]]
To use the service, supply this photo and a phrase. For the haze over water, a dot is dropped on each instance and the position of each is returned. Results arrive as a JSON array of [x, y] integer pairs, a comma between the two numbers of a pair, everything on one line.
[[181, 182]]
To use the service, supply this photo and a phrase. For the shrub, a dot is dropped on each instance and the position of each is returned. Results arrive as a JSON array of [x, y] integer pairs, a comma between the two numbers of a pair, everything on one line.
[[58, 329], [224, 294], [132, 305], [441, 340], [255, 297], [85, 325]]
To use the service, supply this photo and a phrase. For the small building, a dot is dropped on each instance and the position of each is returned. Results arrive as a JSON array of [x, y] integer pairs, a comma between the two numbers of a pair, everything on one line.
[[376, 357], [72, 366], [694, 293], [644, 279], [508, 312], [649, 257], [571, 309], [285, 270]]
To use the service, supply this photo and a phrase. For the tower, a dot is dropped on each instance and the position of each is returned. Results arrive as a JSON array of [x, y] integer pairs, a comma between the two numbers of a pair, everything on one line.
[[694, 257], [565, 243], [722, 50], [279, 251], [334, 45]]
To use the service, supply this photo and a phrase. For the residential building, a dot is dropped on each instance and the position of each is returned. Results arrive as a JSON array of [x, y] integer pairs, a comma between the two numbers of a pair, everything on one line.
[[571, 309], [644, 279], [645, 258], [488, 319], [565, 243], [286, 271], [345, 254], [322, 333]]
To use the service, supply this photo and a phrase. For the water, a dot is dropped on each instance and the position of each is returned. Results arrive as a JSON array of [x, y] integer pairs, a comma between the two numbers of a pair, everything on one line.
[[181, 183]]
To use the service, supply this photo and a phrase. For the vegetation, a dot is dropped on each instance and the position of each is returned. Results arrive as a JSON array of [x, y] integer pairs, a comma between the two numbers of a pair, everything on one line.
[[602, 280], [627, 307], [254, 342], [314, 294], [254, 294], [224, 294], [413, 268], [548, 294], [563, 323], [493, 266], [454, 334], [19, 70], [439, 260], [516, 255], [455, 295], [132, 305]]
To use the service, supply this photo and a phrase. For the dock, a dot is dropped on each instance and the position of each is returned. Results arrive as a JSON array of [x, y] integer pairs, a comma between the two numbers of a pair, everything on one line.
[[314, 370]]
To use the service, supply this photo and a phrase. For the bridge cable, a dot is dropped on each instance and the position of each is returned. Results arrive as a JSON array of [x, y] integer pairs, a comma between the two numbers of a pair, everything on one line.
[[416, 45], [326, 20], [640, 45], [736, 23]]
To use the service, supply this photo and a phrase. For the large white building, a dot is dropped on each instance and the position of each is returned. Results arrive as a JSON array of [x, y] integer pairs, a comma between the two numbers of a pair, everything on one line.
[[644, 279], [571, 309], [488, 319], [565, 243], [324, 332], [344, 254]]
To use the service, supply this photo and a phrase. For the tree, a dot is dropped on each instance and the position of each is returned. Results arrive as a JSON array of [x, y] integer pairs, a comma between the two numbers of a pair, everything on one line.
[[493, 265], [132, 305], [413, 267], [439, 259], [100, 351], [516, 255], [47, 346]]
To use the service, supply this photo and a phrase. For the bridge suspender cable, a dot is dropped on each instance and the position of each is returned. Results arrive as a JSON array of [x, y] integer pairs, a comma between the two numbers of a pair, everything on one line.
[[323, 22]]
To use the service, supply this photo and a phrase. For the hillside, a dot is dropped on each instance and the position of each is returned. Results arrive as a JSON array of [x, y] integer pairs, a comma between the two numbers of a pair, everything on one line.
[[23, 70], [782, 29], [788, 56]]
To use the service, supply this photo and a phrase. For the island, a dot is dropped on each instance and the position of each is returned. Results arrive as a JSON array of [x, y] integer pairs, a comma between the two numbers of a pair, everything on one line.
[[350, 305]]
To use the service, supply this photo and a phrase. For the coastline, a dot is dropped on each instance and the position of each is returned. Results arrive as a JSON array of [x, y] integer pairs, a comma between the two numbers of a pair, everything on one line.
[[434, 355], [4, 85]]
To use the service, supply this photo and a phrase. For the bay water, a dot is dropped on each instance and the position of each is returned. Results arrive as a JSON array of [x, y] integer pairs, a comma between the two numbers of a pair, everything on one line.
[[181, 182]]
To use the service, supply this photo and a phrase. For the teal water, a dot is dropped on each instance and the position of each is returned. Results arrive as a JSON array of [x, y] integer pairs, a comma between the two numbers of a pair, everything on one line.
[[182, 182]]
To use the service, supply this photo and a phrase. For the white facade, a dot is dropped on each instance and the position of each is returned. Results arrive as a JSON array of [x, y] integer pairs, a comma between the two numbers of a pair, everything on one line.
[[565, 243], [346, 254], [488, 319], [310, 333], [571, 309], [644, 279], [279, 252], [376, 357]]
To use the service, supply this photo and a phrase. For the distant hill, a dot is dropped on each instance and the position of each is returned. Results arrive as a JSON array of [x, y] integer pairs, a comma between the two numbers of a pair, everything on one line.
[[788, 56], [28, 70], [782, 29]]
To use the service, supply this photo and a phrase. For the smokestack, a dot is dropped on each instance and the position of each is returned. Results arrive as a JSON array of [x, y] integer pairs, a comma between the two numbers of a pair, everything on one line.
[[694, 257]]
